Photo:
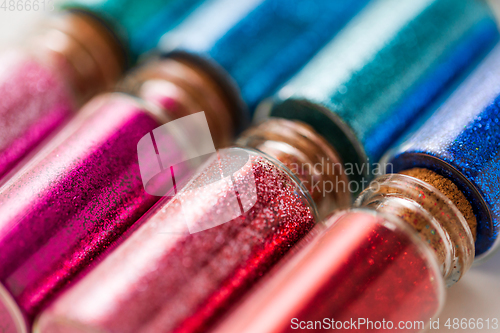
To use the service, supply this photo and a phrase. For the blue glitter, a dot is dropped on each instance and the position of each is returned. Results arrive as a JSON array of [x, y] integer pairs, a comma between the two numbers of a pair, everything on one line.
[[475, 42], [461, 141], [366, 87], [272, 41]]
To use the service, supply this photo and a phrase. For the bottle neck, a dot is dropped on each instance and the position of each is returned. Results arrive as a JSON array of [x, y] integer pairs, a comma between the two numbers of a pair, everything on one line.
[[431, 213], [176, 88], [80, 46], [307, 155]]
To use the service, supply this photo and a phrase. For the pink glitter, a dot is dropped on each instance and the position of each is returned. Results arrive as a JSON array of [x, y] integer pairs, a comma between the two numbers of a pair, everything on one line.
[[34, 102], [58, 217], [165, 279]]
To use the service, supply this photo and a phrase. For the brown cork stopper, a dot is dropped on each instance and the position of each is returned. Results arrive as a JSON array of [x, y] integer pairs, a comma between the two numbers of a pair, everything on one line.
[[450, 190]]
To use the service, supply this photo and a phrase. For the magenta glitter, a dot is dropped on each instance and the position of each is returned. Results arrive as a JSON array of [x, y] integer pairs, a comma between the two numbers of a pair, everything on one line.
[[34, 102], [165, 279], [67, 208]]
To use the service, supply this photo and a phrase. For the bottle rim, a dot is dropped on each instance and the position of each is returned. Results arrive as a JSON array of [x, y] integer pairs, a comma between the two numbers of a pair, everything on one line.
[[452, 273], [13, 311]]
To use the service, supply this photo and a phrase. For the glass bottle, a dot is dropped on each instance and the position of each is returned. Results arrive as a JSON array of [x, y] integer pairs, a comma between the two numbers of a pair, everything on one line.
[[69, 60], [84, 190], [137, 24], [78, 52], [196, 255], [380, 74], [382, 265], [461, 141], [268, 43]]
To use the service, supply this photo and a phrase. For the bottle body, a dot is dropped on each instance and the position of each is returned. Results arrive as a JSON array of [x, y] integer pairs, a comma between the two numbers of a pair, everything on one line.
[[258, 45], [39, 104], [79, 196], [68, 61], [67, 207], [365, 87], [465, 148], [380, 266], [230, 224], [199, 265], [365, 272], [81, 51]]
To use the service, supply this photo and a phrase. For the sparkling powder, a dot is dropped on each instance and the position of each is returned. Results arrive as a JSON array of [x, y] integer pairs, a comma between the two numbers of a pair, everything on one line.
[[365, 88], [386, 276], [165, 279], [461, 141], [362, 266], [34, 102], [64, 210], [266, 45]]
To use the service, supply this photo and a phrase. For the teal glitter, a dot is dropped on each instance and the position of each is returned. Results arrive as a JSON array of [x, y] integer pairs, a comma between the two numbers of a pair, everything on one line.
[[137, 24], [366, 87], [461, 141]]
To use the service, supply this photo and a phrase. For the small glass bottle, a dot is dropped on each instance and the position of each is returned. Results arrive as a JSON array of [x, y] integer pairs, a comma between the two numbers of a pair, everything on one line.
[[137, 24], [78, 52], [461, 141], [392, 62], [380, 266], [195, 256], [266, 45], [83, 191], [43, 84]]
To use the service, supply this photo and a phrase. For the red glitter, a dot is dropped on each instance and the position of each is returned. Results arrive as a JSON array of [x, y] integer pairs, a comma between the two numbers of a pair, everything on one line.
[[361, 267]]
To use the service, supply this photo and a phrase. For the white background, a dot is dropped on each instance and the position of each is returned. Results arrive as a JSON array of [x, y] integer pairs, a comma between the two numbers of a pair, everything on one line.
[[477, 295]]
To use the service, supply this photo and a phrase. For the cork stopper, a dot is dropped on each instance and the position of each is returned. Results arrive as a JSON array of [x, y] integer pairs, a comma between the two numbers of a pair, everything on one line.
[[414, 197], [307, 155], [84, 49], [450, 190], [178, 89]]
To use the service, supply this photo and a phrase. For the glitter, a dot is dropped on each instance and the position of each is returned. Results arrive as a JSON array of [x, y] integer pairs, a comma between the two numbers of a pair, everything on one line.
[[71, 58], [395, 59], [73, 203], [452, 144], [362, 266], [148, 285], [34, 102], [271, 42]]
